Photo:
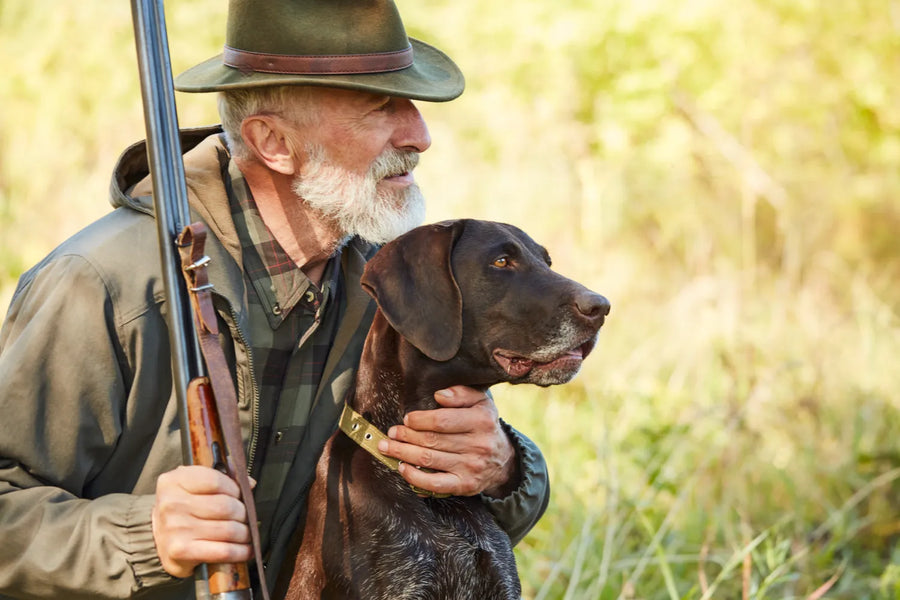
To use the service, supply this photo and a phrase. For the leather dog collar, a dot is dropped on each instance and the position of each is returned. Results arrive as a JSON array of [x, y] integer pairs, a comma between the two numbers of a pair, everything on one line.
[[367, 436]]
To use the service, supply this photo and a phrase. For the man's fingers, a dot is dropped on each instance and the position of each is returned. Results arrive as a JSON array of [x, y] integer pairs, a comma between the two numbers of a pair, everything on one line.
[[196, 479], [481, 417], [209, 551], [177, 492], [459, 396], [459, 443], [213, 507], [229, 532], [184, 541], [439, 482], [464, 410], [439, 460], [179, 525], [182, 555], [462, 440], [198, 518], [418, 456], [444, 420]]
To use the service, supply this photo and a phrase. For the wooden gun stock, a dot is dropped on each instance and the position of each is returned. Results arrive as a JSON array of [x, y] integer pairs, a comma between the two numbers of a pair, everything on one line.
[[208, 449]]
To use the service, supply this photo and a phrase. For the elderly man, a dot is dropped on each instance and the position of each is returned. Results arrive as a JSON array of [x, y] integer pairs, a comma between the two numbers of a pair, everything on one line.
[[313, 170]]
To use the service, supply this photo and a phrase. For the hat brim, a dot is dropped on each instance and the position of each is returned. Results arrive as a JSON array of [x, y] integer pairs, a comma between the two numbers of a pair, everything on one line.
[[433, 77]]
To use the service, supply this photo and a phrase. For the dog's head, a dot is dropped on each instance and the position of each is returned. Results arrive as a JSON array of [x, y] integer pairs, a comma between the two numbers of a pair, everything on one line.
[[483, 294]]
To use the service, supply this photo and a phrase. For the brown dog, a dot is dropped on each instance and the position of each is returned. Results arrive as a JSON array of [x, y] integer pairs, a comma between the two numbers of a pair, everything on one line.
[[459, 303]]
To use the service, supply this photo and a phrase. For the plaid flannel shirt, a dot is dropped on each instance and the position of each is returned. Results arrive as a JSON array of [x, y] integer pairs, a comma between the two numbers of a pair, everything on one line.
[[293, 324]]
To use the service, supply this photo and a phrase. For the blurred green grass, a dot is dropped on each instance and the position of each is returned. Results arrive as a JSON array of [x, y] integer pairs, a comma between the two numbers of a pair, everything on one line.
[[726, 173]]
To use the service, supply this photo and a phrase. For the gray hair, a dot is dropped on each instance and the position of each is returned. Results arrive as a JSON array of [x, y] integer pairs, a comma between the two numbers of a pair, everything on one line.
[[288, 101]]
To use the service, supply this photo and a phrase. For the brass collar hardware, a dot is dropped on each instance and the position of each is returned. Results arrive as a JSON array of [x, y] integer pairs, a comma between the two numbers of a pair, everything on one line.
[[367, 437]]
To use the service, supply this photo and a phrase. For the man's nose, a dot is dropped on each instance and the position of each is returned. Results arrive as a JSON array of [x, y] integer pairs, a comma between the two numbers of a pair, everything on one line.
[[412, 132]]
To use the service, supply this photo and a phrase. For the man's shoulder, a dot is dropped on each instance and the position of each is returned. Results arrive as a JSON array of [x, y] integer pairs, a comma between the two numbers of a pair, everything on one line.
[[120, 252], [122, 241]]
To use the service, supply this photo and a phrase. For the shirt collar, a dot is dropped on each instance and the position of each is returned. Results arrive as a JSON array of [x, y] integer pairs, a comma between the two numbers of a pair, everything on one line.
[[280, 285]]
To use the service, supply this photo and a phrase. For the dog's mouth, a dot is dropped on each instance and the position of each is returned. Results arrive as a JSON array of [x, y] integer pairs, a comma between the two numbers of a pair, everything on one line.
[[517, 365]]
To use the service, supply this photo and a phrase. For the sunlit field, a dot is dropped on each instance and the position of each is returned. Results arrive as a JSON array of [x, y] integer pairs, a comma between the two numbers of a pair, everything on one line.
[[726, 173]]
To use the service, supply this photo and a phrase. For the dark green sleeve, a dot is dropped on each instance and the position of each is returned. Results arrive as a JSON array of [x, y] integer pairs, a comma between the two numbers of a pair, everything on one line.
[[518, 512]]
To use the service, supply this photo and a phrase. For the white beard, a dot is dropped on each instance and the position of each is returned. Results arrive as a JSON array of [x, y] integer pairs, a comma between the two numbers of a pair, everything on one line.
[[354, 204]]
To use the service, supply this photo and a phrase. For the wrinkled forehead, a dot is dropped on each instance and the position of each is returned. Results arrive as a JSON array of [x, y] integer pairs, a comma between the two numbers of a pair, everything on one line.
[[488, 240]]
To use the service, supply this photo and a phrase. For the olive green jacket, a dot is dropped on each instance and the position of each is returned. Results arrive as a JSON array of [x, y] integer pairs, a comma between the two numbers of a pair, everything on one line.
[[87, 416]]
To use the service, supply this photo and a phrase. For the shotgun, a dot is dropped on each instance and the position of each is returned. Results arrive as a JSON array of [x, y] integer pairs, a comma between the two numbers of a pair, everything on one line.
[[201, 435]]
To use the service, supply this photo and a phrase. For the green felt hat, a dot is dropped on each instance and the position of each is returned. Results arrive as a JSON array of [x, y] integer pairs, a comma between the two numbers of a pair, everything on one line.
[[350, 44]]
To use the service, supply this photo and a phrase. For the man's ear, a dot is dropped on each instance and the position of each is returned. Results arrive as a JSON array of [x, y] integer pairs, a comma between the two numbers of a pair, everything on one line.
[[267, 137]]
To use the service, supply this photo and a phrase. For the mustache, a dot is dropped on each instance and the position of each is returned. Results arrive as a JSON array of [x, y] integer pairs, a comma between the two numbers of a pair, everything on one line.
[[393, 162]]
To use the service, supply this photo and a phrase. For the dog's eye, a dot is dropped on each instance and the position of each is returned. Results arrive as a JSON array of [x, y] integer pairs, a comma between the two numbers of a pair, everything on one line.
[[502, 262]]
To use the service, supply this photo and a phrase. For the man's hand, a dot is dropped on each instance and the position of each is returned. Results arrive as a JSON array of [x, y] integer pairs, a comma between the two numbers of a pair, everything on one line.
[[462, 441], [198, 518]]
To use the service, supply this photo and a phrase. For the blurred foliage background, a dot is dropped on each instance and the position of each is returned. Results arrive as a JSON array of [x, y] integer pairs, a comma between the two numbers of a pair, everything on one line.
[[725, 172]]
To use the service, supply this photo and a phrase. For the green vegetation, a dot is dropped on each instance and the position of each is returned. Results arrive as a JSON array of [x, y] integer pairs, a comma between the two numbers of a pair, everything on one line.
[[725, 172]]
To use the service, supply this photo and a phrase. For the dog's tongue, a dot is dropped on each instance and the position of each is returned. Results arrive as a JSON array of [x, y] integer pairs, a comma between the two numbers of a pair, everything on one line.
[[515, 366]]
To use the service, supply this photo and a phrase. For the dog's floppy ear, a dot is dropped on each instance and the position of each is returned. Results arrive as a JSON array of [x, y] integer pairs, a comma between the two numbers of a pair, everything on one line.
[[412, 281]]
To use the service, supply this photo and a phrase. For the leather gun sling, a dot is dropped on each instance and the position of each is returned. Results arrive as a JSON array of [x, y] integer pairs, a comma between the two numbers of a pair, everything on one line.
[[191, 245]]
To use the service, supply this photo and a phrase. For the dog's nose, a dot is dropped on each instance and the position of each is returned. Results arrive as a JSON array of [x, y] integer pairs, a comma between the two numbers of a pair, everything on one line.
[[593, 306]]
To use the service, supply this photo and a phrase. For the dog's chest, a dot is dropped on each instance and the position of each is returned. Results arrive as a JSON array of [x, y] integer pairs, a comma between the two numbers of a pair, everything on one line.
[[440, 550]]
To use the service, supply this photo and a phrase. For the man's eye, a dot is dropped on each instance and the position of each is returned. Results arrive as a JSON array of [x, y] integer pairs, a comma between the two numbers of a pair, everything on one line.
[[501, 263]]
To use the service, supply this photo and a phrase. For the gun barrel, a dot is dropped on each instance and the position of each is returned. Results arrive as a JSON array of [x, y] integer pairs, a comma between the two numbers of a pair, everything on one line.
[[169, 195], [172, 212]]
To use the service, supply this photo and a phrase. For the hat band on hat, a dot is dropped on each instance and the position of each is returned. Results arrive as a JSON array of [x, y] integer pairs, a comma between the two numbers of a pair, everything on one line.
[[333, 64]]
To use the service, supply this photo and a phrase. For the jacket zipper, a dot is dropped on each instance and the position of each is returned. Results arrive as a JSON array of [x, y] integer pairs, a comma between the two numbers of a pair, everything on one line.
[[254, 391]]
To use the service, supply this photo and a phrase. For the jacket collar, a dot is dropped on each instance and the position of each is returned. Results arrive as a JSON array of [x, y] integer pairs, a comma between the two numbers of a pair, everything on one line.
[[131, 187]]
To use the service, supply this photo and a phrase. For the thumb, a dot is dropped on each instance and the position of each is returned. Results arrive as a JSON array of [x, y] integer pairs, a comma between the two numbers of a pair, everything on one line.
[[460, 396]]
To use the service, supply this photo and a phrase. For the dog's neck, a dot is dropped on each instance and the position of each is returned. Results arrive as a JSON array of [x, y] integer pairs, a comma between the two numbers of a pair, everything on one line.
[[395, 378]]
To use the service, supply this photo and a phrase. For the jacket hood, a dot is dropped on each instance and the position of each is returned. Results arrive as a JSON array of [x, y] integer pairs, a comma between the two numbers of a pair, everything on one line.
[[203, 148], [132, 168]]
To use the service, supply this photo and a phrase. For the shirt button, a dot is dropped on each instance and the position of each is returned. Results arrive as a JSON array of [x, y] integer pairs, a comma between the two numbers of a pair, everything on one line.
[[278, 435], [276, 309], [310, 296]]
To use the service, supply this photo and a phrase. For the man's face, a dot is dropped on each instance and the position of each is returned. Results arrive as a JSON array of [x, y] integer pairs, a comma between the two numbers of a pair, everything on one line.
[[360, 155]]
